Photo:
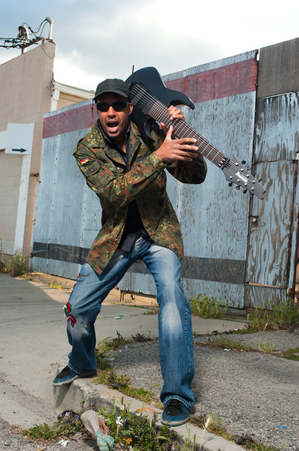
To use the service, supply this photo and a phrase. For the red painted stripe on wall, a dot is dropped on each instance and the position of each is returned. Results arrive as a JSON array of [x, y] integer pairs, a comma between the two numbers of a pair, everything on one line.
[[69, 121], [225, 81]]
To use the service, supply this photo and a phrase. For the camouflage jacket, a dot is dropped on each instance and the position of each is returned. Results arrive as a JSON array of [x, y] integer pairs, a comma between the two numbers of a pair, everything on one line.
[[106, 174]]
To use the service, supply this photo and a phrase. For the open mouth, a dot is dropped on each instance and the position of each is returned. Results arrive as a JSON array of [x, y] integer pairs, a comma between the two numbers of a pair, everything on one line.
[[112, 127]]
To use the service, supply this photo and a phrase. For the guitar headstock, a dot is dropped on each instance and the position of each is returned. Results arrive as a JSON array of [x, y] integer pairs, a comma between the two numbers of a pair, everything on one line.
[[238, 174]]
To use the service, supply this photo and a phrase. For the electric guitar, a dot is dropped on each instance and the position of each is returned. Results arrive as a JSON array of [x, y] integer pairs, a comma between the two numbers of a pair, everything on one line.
[[151, 99]]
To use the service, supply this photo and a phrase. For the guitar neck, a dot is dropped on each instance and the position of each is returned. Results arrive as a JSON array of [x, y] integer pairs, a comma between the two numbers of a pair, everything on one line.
[[158, 111]]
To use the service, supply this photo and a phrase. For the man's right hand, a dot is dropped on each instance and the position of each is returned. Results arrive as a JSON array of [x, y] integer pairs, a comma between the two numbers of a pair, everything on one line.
[[182, 149]]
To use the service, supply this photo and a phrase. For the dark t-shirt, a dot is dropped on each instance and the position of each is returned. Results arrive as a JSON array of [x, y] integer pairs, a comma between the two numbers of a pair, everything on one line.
[[133, 223]]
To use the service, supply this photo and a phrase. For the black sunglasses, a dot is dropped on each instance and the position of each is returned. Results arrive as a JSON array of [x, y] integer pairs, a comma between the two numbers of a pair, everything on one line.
[[117, 106]]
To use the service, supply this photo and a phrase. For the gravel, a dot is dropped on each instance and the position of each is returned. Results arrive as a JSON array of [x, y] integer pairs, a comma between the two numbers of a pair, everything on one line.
[[253, 393]]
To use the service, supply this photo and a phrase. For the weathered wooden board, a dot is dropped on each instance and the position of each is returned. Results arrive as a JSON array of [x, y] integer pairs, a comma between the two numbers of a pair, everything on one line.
[[277, 128], [271, 226]]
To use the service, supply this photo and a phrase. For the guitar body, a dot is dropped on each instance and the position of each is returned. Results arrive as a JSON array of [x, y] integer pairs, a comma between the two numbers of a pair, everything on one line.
[[150, 77]]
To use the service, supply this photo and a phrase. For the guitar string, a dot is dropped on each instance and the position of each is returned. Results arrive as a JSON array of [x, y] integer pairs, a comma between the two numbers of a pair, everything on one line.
[[149, 103]]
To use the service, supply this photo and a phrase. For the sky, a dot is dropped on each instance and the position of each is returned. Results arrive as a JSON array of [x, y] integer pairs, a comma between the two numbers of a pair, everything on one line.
[[98, 39]]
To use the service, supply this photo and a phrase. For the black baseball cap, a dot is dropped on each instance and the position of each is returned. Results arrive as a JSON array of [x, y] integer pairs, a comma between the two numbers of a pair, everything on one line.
[[112, 85]]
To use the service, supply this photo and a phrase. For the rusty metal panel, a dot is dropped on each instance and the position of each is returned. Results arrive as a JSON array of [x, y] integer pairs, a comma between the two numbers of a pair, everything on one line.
[[278, 69], [276, 131]]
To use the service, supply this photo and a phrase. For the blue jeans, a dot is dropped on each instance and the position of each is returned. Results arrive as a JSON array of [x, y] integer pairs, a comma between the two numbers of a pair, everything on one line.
[[175, 328]]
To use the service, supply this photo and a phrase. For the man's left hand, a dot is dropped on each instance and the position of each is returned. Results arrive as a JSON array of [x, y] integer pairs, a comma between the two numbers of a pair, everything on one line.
[[174, 113]]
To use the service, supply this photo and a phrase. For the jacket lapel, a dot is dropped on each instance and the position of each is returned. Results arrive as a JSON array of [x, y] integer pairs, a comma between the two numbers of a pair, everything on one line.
[[96, 141], [135, 139]]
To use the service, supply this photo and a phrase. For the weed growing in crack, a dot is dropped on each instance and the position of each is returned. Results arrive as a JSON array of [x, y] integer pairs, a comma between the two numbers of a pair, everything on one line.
[[207, 307], [276, 316], [266, 346], [62, 428], [291, 354]]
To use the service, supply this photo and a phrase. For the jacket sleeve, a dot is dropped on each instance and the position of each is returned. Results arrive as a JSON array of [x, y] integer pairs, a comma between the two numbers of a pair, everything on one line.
[[193, 172], [113, 184]]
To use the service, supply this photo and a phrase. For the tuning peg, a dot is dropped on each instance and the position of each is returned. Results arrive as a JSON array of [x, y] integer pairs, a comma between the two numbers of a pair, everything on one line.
[[244, 191], [230, 184], [260, 180], [238, 187], [254, 174], [243, 162]]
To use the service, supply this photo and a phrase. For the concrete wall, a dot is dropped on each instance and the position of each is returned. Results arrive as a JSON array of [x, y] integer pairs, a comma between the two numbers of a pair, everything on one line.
[[25, 95]]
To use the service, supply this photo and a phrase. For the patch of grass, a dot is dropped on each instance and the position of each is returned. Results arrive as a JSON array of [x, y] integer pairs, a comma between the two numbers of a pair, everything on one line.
[[244, 331], [106, 346], [207, 307], [121, 383], [138, 431], [276, 316], [62, 428], [57, 286], [214, 426], [266, 346], [152, 311], [3, 261], [224, 342], [291, 354], [15, 265]]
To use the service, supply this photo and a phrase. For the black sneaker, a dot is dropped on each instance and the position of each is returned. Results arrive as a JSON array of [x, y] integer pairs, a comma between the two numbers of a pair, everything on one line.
[[175, 413], [66, 376]]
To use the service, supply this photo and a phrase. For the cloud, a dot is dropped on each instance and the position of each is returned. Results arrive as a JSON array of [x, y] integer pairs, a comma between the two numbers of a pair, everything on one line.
[[97, 39]]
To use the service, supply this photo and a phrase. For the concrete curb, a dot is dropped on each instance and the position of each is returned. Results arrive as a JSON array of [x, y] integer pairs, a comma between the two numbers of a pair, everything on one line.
[[82, 391]]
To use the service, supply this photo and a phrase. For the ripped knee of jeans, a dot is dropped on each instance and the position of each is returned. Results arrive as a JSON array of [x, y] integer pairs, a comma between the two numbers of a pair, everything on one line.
[[67, 311]]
